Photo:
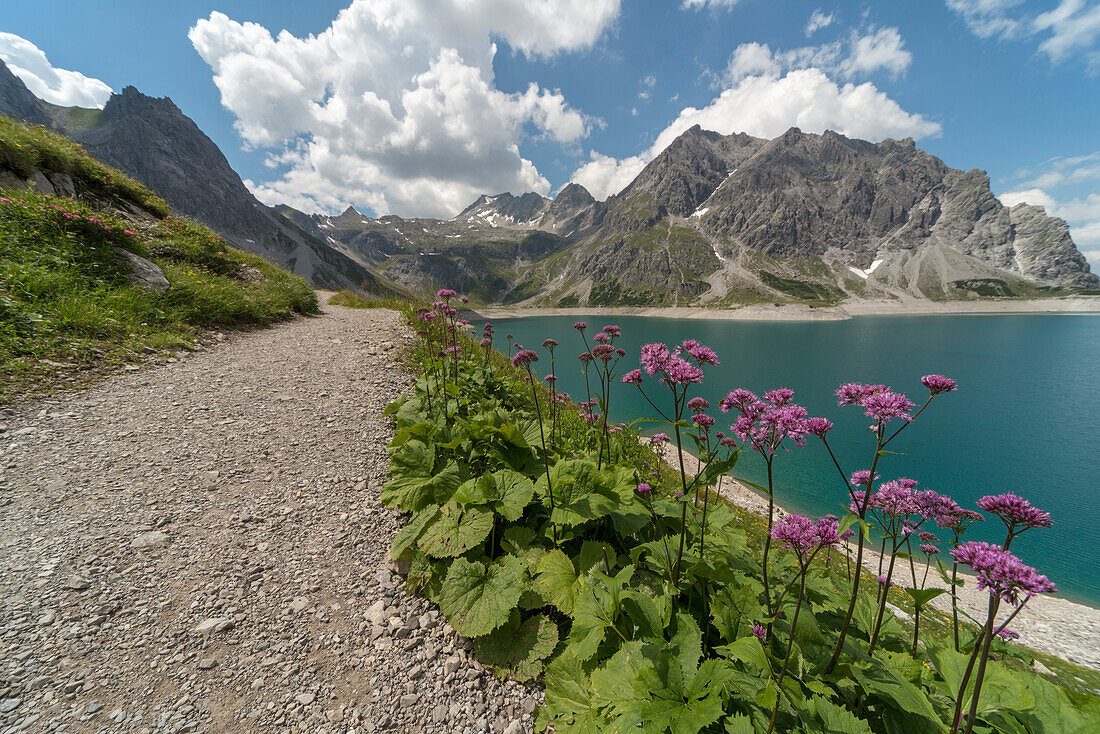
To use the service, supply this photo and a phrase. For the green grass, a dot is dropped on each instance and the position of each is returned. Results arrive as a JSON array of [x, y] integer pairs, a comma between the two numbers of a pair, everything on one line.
[[353, 300], [25, 149], [67, 309]]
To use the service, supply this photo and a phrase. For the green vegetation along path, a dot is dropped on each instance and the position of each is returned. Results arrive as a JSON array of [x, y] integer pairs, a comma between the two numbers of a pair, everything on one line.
[[199, 546]]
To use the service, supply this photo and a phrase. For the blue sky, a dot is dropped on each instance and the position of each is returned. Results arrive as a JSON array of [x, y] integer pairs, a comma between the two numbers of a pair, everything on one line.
[[415, 106]]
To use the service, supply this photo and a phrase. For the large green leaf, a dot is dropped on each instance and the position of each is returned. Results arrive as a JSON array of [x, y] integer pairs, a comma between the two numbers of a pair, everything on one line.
[[739, 724], [1001, 690], [649, 612], [735, 607], [613, 684], [415, 484], [569, 703], [834, 719], [681, 701], [748, 650], [1054, 712], [884, 678], [505, 491], [407, 536], [556, 580], [686, 642], [517, 650], [457, 529], [579, 493], [477, 598], [595, 611], [924, 596]]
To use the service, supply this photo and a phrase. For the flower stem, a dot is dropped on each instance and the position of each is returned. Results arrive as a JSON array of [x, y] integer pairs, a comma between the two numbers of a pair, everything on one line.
[[545, 455], [790, 647]]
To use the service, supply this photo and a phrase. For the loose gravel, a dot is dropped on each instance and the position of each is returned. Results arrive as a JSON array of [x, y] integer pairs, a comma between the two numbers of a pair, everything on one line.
[[199, 547]]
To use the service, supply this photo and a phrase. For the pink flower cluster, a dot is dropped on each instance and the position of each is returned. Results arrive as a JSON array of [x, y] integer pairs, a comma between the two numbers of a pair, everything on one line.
[[803, 535], [879, 402], [1016, 512], [1000, 572], [524, 358], [765, 424]]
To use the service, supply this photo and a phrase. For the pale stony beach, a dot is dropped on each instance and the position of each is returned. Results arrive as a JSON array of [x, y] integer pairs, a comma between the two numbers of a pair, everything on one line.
[[1048, 624], [800, 312]]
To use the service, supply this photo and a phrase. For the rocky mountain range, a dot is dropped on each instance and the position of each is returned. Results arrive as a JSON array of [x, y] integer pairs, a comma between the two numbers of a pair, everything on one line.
[[153, 141], [713, 220]]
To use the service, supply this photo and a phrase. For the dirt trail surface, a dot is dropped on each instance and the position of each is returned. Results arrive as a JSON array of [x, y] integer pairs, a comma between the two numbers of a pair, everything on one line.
[[199, 547]]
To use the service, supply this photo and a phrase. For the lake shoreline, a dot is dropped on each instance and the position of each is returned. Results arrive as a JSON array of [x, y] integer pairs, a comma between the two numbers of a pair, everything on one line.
[[1049, 624], [1071, 305]]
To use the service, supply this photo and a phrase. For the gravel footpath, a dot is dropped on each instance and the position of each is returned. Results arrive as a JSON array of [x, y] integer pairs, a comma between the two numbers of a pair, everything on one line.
[[199, 547]]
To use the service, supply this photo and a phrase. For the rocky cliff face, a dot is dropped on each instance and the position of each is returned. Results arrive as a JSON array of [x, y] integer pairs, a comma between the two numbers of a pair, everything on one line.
[[153, 141], [719, 219], [818, 218], [17, 102]]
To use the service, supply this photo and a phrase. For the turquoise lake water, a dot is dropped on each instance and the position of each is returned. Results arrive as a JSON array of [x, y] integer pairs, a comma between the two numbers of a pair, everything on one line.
[[1026, 418]]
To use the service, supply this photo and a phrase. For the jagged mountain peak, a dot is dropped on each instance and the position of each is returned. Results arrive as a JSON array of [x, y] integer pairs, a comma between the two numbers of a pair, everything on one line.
[[574, 192]]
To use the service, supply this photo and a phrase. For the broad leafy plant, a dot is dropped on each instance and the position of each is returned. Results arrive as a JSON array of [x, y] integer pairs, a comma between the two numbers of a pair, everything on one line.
[[567, 550]]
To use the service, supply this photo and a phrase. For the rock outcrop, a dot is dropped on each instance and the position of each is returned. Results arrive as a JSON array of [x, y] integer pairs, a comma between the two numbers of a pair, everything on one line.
[[152, 140]]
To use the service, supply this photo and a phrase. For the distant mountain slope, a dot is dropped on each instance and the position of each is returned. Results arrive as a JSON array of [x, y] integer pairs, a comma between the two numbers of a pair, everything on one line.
[[733, 219], [153, 141], [712, 220]]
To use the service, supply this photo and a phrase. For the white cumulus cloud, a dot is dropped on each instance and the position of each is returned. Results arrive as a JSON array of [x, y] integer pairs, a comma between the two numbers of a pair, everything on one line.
[[861, 54], [394, 105], [768, 92], [58, 86]]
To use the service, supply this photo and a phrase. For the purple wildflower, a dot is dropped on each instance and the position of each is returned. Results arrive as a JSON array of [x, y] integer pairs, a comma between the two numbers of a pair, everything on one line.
[[1008, 635], [580, 326], [938, 383], [702, 355], [802, 535], [929, 549], [818, 426], [524, 358], [698, 405], [739, 399], [644, 489], [779, 396], [1016, 512], [655, 358], [1000, 572], [549, 344], [862, 478], [634, 377], [657, 438], [759, 632], [702, 419], [878, 401], [445, 293]]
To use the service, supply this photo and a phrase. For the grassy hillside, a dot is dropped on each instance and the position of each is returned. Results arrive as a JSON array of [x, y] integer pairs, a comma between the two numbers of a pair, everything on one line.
[[68, 306]]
